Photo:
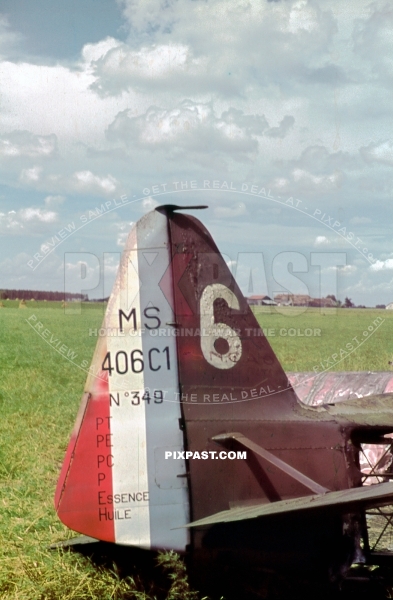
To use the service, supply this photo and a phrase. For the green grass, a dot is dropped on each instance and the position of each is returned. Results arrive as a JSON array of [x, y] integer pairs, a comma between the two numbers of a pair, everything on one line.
[[371, 352], [39, 396]]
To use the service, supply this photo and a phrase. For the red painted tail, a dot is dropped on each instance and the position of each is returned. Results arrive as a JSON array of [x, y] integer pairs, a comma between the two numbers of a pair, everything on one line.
[[182, 348], [223, 354]]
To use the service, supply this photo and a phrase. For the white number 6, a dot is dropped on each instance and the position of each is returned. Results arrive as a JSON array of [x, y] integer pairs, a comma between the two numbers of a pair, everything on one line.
[[211, 331]]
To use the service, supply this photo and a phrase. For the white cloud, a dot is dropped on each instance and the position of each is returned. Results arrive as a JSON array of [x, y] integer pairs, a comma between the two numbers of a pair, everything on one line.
[[347, 269], [32, 175], [153, 13], [188, 39], [31, 214], [26, 220], [280, 184], [380, 152], [83, 274], [372, 38], [382, 265], [235, 210], [149, 204], [93, 52], [121, 239], [87, 182], [276, 93], [302, 17], [317, 170], [321, 240], [123, 233], [319, 159], [81, 182], [193, 127], [57, 100], [122, 67], [25, 144], [283, 128], [321, 182]]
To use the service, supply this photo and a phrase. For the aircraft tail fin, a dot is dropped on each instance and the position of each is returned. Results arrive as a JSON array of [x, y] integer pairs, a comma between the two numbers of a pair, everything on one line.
[[220, 344], [180, 340]]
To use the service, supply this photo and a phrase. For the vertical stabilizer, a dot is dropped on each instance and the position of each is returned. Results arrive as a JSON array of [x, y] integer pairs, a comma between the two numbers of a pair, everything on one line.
[[223, 353], [182, 360]]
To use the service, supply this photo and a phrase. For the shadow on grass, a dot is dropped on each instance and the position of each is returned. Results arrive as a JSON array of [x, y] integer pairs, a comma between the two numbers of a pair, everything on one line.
[[150, 575], [167, 576]]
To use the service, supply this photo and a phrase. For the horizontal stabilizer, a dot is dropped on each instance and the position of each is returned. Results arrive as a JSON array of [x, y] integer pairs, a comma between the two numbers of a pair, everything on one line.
[[342, 501]]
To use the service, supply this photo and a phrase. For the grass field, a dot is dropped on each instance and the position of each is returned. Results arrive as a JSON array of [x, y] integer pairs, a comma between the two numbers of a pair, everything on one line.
[[40, 390], [303, 339]]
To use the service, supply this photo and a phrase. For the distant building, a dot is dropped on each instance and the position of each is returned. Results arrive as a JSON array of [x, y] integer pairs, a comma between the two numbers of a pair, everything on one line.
[[261, 301], [323, 302], [284, 299], [390, 306], [293, 299], [303, 300]]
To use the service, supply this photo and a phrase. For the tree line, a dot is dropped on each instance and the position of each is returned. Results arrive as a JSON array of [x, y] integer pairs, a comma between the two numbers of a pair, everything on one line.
[[41, 295]]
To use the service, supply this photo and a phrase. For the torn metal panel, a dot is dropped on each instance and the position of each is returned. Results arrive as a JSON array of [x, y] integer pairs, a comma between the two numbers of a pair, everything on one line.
[[324, 388]]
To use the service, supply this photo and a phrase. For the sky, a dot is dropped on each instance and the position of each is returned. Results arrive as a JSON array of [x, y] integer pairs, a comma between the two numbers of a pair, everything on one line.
[[275, 114]]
